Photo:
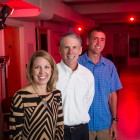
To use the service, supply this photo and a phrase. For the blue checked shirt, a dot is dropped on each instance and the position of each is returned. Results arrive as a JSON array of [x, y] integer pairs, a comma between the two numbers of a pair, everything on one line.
[[106, 81]]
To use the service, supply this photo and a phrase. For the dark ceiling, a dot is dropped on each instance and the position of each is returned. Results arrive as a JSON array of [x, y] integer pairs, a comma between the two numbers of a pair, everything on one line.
[[107, 11]]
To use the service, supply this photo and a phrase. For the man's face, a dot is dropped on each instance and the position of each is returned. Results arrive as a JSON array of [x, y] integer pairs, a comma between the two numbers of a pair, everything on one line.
[[96, 42], [70, 51]]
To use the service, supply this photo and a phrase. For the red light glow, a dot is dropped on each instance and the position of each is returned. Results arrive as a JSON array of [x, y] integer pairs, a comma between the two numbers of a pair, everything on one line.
[[79, 29], [132, 18], [21, 8]]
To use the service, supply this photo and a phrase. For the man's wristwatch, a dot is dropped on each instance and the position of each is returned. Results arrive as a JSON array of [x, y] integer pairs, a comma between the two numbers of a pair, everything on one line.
[[115, 119]]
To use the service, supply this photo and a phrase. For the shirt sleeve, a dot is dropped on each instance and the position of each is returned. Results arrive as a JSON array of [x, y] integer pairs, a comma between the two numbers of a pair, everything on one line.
[[91, 91], [115, 81], [59, 135], [16, 118]]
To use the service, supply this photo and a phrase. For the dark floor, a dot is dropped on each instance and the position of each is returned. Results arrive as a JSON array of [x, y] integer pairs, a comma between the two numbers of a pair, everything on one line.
[[128, 104]]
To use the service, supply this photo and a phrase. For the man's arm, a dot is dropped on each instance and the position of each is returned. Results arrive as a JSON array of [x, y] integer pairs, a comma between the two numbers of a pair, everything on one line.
[[113, 107]]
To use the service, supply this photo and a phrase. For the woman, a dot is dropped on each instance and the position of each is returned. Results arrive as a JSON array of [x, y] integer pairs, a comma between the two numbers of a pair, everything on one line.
[[36, 110]]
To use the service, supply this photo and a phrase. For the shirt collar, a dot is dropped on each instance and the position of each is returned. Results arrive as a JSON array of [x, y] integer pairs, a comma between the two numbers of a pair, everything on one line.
[[66, 68], [101, 61]]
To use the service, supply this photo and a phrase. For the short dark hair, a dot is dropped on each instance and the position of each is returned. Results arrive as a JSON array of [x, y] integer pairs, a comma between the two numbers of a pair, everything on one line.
[[98, 29]]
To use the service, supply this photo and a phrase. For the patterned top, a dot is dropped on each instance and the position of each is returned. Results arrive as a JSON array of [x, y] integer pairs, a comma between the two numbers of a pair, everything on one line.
[[106, 82], [30, 120]]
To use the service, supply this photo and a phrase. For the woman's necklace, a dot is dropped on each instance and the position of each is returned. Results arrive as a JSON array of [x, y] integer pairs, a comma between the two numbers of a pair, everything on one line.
[[44, 102]]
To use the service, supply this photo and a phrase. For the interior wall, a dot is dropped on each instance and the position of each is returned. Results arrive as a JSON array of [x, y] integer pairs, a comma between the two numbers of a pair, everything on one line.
[[129, 30], [26, 47], [53, 30], [13, 78], [27, 41], [2, 69]]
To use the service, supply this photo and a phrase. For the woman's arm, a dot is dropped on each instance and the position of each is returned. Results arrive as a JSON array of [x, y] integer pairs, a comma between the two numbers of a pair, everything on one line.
[[16, 117]]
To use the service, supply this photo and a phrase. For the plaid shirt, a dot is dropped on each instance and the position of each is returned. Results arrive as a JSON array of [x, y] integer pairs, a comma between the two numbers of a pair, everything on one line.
[[106, 81]]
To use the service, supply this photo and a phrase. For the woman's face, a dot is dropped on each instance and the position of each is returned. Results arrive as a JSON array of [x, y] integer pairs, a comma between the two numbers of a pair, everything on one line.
[[41, 71]]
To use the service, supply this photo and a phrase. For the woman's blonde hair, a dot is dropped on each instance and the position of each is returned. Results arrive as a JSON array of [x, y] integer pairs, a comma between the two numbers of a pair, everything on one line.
[[54, 77]]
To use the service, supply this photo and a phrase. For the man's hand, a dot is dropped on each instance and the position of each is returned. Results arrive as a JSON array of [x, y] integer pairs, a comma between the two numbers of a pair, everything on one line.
[[113, 130]]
